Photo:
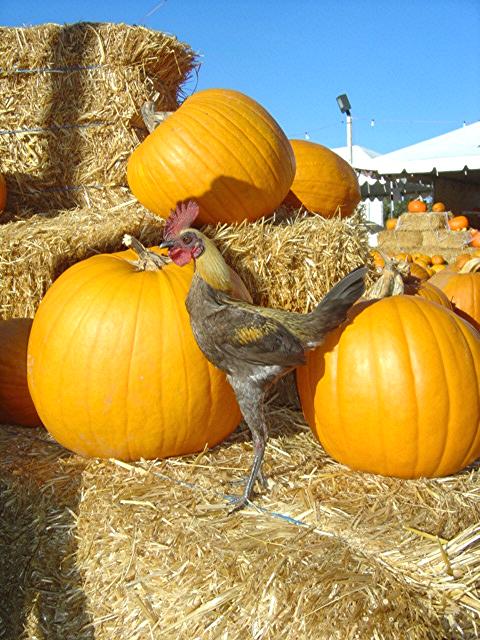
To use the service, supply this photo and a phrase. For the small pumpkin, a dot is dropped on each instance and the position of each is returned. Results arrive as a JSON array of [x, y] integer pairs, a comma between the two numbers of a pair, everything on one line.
[[324, 183], [220, 148], [438, 207], [475, 240], [419, 270], [396, 389], [417, 206], [391, 223], [3, 192], [114, 369], [16, 404], [457, 223]]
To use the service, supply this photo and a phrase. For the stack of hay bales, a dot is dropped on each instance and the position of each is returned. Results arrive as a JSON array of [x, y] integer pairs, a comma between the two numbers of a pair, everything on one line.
[[426, 233], [70, 110], [70, 104]]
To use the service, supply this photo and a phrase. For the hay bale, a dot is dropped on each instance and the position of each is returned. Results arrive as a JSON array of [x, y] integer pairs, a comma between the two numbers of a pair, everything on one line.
[[399, 240], [70, 99], [290, 264], [95, 550], [422, 222], [447, 239], [35, 251]]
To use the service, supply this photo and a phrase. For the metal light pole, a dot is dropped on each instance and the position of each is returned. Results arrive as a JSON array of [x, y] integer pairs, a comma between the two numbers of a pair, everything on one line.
[[345, 107]]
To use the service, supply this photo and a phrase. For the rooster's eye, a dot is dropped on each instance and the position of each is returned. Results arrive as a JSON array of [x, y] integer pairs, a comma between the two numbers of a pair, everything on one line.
[[187, 238]]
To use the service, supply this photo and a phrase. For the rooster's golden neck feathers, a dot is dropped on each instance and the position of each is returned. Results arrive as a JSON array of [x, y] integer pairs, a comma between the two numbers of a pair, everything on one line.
[[211, 266]]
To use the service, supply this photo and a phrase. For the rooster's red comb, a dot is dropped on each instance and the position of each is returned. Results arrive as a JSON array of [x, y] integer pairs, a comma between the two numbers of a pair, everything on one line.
[[180, 219]]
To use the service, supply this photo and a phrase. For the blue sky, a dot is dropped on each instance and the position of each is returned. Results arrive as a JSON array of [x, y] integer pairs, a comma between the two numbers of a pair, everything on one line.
[[411, 66]]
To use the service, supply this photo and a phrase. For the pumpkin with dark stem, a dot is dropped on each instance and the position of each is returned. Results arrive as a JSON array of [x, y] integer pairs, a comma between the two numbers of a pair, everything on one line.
[[219, 148], [16, 404], [396, 389], [114, 369]]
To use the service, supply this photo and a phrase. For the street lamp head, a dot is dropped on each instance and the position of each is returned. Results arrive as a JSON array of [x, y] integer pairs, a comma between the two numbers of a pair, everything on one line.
[[344, 104]]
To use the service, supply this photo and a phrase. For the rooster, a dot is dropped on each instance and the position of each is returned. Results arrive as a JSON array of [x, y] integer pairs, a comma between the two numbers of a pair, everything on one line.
[[253, 345]]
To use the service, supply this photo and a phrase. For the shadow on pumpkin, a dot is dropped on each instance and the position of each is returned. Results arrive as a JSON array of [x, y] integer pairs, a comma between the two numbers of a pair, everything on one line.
[[41, 589]]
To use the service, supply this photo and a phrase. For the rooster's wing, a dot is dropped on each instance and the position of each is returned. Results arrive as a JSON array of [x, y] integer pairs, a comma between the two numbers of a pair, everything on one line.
[[243, 333]]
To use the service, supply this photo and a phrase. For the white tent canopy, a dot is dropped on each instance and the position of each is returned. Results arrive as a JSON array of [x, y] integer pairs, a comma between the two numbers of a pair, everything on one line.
[[453, 151], [361, 156]]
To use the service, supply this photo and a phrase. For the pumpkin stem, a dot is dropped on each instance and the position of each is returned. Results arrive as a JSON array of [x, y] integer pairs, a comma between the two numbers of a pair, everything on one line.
[[471, 266], [150, 116], [147, 260], [391, 280]]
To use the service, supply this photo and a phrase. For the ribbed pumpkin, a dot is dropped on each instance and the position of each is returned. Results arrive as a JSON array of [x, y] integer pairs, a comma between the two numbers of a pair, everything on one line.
[[324, 182], [114, 369], [220, 148], [416, 206], [425, 289], [396, 391], [16, 405], [3, 192], [438, 207], [463, 289]]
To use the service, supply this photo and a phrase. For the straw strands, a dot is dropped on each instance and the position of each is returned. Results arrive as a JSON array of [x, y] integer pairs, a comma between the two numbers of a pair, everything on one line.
[[291, 260], [70, 100], [289, 264], [103, 549]]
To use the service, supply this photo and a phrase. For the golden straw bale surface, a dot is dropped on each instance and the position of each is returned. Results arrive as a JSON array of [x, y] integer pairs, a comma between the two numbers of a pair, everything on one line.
[[290, 265], [35, 251], [406, 238], [422, 221], [447, 239], [70, 99], [95, 550]]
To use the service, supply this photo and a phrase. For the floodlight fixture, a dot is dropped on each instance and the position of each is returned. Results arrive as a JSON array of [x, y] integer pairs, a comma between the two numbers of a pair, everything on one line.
[[344, 104]]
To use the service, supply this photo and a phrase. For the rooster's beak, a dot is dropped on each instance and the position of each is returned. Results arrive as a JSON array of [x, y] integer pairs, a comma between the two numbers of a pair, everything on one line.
[[166, 244]]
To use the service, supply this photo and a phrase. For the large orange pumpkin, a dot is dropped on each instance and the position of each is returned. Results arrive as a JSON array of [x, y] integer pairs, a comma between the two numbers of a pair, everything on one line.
[[425, 289], [396, 390], [416, 206], [324, 182], [221, 149], [463, 289], [16, 405], [114, 369], [3, 192]]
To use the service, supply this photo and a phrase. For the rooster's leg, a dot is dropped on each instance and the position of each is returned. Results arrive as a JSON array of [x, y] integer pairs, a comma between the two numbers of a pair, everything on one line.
[[250, 399]]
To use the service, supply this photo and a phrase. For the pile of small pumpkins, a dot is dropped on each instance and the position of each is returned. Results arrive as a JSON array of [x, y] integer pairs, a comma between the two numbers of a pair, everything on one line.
[[454, 222], [109, 364]]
